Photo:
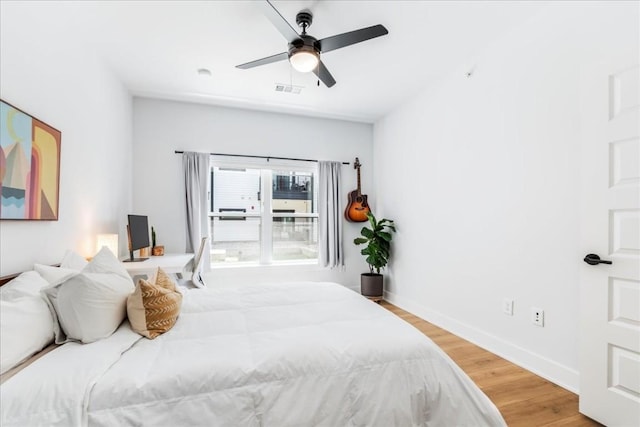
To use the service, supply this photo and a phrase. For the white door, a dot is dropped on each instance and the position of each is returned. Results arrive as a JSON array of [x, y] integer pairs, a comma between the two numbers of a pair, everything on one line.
[[610, 228]]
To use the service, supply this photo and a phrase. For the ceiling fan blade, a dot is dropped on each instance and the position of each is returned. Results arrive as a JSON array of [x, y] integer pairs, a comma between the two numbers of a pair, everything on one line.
[[278, 21], [268, 60], [352, 37], [324, 74]]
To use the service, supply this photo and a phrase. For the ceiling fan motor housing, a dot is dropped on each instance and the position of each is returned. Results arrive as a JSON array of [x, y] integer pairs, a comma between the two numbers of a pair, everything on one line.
[[304, 44]]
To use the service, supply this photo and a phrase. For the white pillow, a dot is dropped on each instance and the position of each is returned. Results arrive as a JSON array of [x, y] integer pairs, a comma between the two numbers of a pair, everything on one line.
[[90, 305], [106, 262], [27, 283], [26, 327], [73, 261], [54, 275]]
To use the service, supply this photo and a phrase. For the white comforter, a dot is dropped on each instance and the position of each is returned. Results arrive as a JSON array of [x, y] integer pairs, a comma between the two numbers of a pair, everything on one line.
[[304, 354]]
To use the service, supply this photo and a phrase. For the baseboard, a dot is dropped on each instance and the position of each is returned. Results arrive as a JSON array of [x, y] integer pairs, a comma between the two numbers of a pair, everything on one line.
[[546, 368]]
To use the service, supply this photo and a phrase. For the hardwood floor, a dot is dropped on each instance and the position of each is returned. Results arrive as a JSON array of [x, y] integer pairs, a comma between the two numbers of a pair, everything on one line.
[[523, 398]]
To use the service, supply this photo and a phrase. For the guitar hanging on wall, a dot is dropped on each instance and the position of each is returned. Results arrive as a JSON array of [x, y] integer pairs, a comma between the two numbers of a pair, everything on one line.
[[358, 207]]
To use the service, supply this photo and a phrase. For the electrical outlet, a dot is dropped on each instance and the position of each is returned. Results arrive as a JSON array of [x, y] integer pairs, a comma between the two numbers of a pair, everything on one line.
[[537, 316], [507, 306]]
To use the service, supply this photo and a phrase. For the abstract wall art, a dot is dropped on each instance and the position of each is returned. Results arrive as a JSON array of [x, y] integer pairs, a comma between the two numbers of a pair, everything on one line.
[[29, 166]]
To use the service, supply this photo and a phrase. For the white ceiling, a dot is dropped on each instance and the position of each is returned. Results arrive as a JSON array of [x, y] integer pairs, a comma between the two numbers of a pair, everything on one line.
[[156, 48]]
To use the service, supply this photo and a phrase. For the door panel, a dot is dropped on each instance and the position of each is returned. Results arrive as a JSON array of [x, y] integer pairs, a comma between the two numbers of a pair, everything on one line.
[[624, 303], [624, 170], [624, 232]]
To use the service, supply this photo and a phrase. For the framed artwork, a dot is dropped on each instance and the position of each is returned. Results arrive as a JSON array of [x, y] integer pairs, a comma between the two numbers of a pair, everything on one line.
[[29, 166]]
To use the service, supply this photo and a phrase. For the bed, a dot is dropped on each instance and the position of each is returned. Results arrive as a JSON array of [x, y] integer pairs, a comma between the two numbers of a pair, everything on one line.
[[290, 354]]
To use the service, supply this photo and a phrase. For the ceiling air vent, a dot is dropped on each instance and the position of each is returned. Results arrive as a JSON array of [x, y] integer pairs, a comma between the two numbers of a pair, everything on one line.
[[281, 87]]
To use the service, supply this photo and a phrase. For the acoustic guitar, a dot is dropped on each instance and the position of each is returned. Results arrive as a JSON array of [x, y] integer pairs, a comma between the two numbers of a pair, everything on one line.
[[357, 208]]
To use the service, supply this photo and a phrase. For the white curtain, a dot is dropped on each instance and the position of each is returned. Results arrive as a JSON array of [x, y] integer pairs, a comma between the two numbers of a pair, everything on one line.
[[330, 215], [196, 177]]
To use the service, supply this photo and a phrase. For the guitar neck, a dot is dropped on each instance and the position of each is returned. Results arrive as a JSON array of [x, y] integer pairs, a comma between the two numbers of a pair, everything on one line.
[[359, 193]]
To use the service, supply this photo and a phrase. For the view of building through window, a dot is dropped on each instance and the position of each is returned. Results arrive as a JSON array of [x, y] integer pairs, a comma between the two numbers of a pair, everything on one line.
[[252, 222]]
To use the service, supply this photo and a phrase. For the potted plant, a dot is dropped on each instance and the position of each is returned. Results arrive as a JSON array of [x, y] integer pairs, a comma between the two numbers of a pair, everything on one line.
[[378, 241], [155, 249]]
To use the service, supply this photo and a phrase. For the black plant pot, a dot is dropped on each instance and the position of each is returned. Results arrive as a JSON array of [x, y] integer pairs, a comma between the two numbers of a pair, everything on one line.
[[371, 284]]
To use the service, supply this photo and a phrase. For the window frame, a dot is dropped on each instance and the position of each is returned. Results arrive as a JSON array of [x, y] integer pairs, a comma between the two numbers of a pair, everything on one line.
[[265, 211]]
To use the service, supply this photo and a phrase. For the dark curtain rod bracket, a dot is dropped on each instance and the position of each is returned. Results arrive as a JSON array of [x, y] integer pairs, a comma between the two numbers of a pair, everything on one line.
[[261, 157]]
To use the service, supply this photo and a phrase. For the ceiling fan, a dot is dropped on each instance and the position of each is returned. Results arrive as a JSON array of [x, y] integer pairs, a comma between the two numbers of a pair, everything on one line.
[[304, 50]]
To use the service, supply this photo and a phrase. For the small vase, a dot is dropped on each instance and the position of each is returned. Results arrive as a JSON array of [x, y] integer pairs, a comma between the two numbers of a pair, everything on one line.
[[157, 251]]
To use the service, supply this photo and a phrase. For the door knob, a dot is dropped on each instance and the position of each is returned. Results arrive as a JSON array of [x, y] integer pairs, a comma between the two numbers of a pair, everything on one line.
[[593, 259]]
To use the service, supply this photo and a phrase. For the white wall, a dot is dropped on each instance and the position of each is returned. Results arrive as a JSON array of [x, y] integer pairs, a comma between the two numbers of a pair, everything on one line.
[[482, 174], [161, 127], [67, 87]]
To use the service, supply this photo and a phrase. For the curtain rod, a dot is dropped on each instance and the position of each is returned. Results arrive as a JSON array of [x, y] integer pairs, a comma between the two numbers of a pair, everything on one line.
[[261, 157]]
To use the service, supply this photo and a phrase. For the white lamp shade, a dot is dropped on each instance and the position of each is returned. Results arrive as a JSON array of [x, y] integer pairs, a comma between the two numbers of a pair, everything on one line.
[[108, 240], [304, 61]]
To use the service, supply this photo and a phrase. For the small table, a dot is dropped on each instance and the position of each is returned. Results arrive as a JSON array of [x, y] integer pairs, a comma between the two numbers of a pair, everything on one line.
[[170, 263]]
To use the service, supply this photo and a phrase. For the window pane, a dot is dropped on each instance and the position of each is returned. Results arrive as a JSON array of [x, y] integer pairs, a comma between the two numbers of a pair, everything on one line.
[[234, 237], [235, 240], [236, 190], [295, 238], [293, 191]]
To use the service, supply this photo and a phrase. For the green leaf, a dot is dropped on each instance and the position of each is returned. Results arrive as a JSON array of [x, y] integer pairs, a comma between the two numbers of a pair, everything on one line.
[[360, 240], [366, 232], [386, 236], [372, 220]]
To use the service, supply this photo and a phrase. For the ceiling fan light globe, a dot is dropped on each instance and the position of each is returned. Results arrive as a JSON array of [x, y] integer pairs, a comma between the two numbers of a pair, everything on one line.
[[304, 61]]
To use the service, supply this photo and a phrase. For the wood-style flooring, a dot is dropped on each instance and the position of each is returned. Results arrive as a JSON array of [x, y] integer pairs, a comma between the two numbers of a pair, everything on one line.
[[523, 398]]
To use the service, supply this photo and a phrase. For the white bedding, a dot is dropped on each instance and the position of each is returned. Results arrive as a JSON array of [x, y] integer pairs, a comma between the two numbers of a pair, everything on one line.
[[304, 354]]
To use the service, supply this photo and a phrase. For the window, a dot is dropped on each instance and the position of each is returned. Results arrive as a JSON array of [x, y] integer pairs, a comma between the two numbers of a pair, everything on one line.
[[262, 216]]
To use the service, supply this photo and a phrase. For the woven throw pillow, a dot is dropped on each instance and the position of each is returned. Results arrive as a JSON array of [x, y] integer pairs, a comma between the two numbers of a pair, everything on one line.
[[164, 280], [154, 306]]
